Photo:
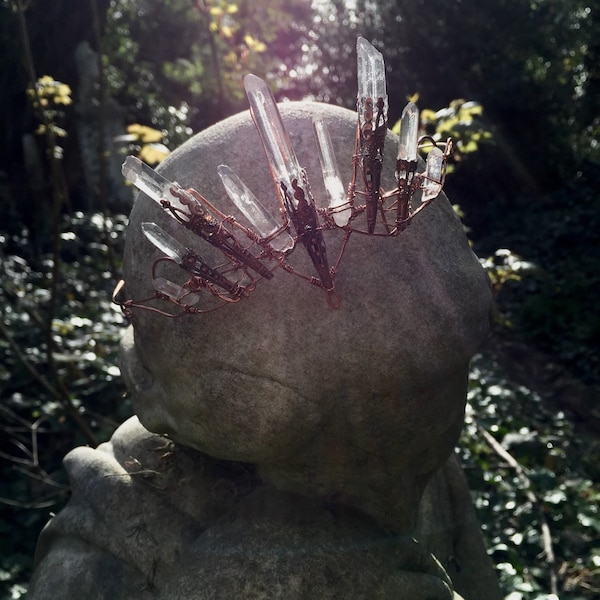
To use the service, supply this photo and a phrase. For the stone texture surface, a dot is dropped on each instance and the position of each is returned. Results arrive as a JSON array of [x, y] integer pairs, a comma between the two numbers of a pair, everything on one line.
[[344, 416], [150, 519], [363, 402]]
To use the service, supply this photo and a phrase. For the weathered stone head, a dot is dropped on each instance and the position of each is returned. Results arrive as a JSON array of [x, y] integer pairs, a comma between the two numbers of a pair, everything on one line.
[[359, 404], [346, 414]]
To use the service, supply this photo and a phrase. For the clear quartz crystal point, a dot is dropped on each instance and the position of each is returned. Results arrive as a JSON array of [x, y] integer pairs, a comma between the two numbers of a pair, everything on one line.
[[432, 185], [253, 210], [278, 147], [331, 175], [166, 243], [147, 180], [409, 133], [371, 76], [175, 291]]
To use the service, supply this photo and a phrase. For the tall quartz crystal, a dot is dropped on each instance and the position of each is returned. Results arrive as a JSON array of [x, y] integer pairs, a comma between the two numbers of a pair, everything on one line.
[[275, 138], [409, 133], [434, 173], [175, 291], [331, 175], [371, 77], [249, 205]]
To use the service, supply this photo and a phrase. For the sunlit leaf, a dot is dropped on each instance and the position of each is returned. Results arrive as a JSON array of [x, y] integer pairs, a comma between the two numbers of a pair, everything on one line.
[[428, 115], [153, 153], [144, 133], [254, 44]]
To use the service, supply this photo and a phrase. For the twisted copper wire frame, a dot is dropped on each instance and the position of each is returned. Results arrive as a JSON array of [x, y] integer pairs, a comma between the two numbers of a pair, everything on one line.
[[237, 260]]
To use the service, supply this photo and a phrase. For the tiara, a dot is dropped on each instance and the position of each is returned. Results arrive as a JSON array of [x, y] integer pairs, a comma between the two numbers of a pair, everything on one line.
[[258, 248]]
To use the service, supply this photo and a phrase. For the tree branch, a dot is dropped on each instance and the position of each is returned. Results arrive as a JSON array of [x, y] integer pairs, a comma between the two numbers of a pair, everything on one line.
[[532, 497]]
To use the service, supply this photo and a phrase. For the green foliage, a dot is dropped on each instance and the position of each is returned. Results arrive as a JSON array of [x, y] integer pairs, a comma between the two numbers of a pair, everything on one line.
[[461, 121], [505, 266], [35, 418], [202, 50], [146, 143], [85, 327], [556, 306], [554, 486], [49, 97], [177, 66]]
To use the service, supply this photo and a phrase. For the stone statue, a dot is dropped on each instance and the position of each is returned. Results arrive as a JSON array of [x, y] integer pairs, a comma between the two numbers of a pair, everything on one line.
[[283, 449]]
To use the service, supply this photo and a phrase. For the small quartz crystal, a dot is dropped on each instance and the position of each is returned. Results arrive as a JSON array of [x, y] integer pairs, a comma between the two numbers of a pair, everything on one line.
[[253, 210], [183, 256], [147, 180], [331, 175], [175, 291], [409, 133], [433, 183]]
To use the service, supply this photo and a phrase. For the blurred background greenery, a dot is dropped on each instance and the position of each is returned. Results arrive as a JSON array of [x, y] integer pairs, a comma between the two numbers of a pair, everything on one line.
[[516, 82]]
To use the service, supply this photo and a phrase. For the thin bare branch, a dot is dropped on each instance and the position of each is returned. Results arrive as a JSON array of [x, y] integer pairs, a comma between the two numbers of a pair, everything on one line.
[[532, 497]]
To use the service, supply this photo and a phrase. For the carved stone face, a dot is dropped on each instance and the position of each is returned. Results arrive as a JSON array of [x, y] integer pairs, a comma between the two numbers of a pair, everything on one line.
[[326, 401]]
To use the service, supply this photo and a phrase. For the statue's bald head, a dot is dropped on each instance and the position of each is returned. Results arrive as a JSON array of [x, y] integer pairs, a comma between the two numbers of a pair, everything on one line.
[[328, 400]]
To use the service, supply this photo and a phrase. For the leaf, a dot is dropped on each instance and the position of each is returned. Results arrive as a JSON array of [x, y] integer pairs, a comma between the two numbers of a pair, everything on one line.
[[470, 146], [254, 44], [153, 153], [473, 108], [428, 115], [144, 133]]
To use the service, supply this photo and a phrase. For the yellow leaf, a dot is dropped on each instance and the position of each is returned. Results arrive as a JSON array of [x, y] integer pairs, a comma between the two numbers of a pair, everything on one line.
[[64, 90], [65, 100], [59, 131], [144, 133], [153, 153], [428, 115], [469, 147], [447, 125], [230, 59], [254, 44], [457, 103], [475, 109], [414, 98]]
